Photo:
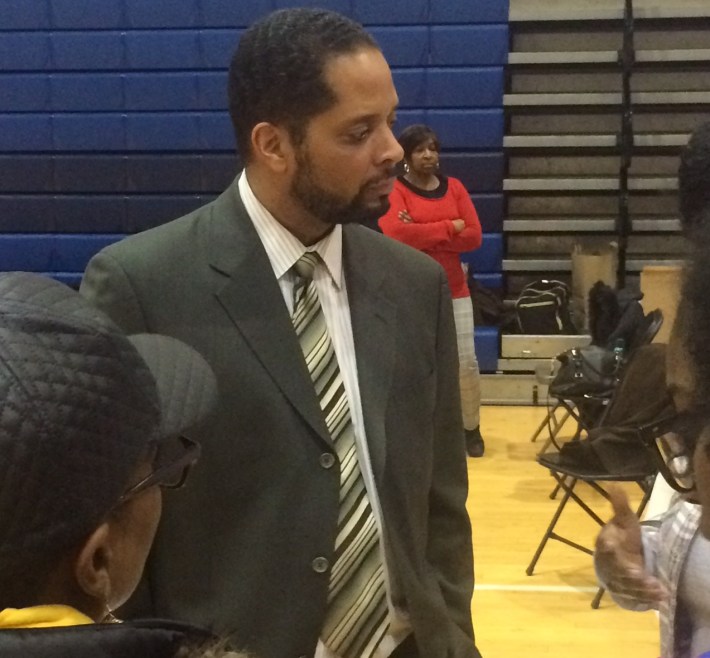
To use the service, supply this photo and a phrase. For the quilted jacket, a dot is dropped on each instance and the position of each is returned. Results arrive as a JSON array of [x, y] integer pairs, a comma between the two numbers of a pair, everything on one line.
[[139, 639]]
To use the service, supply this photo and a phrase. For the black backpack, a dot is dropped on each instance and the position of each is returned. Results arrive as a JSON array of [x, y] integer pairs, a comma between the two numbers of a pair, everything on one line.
[[543, 308], [614, 315]]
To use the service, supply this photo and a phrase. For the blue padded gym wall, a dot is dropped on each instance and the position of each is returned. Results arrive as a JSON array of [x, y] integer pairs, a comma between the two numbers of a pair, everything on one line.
[[113, 112]]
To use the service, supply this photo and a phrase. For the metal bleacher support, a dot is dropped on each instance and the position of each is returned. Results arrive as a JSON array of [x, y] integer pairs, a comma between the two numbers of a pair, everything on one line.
[[564, 120], [564, 102]]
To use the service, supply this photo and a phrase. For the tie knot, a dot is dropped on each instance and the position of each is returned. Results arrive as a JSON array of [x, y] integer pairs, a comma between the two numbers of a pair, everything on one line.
[[306, 264]]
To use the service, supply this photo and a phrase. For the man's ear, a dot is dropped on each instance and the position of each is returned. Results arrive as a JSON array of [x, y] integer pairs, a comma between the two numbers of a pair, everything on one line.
[[93, 564], [271, 145]]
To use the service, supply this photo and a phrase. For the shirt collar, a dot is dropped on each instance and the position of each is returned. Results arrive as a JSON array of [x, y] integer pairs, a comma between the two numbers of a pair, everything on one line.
[[282, 247]]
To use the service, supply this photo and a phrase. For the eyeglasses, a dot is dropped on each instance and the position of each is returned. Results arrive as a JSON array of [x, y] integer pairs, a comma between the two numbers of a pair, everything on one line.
[[171, 466], [672, 442]]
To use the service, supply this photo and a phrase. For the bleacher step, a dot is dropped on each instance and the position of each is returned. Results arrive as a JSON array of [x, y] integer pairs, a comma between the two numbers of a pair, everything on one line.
[[534, 12], [583, 225], [606, 98], [513, 389], [563, 57], [670, 140], [596, 184], [565, 264]]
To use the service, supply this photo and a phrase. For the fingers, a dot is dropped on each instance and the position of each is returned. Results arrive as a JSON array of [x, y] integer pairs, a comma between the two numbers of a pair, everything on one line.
[[623, 570], [609, 547], [629, 579], [623, 514], [619, 555], [638, 585]]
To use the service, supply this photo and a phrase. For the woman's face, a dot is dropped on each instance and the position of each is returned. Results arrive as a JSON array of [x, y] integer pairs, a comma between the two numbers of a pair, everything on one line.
[[424, 160]]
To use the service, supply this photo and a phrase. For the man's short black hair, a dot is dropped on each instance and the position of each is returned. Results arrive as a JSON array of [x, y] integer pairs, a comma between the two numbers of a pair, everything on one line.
[[413, 136], [276, 74], [694, 177]]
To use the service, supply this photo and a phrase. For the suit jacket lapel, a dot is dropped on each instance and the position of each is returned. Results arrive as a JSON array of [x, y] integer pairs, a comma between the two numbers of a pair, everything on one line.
[[373, 319], [253, 301]]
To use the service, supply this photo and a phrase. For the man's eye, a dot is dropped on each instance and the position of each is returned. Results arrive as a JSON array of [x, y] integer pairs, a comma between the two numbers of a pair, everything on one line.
[[359, 136]]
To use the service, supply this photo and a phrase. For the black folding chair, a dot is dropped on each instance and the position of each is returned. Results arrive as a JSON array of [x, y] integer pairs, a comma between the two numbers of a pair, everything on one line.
[[552, 422], [589, 408], [612, 451]]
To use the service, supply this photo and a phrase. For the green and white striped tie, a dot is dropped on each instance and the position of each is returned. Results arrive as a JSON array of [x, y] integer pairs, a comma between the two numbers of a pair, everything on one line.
[[357, 617]]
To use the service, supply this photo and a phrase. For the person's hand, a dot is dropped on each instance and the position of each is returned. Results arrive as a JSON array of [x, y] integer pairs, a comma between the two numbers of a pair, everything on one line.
[[405, 217], [619, 554], [459, 225]]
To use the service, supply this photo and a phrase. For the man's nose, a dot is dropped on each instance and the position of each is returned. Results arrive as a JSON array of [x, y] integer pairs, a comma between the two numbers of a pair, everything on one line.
[[392, 151]]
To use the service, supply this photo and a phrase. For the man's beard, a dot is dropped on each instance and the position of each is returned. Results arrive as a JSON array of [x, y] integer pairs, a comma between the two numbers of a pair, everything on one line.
[[326, 206]]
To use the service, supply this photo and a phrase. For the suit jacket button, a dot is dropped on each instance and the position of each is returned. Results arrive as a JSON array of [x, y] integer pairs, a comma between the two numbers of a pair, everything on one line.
[[320, 565], [327, 460]]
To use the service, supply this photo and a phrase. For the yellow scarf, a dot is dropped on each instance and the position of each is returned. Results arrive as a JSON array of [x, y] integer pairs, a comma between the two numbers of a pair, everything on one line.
[[42, 616]]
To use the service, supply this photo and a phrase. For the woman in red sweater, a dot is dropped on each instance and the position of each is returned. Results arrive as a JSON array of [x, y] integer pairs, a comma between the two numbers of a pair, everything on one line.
[[434, 213]]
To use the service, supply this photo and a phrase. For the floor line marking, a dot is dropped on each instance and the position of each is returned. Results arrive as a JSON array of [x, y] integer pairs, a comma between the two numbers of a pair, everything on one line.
[[533, 588]]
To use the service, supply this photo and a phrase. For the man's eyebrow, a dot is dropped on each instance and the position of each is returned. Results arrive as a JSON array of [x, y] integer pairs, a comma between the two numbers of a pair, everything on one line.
[[362, 118]]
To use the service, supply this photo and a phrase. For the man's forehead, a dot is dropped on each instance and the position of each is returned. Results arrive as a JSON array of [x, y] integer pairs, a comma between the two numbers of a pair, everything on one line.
[[363, 73]]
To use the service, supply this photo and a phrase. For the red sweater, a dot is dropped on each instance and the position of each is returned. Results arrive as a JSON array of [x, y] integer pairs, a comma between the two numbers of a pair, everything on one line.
[[431, 229]]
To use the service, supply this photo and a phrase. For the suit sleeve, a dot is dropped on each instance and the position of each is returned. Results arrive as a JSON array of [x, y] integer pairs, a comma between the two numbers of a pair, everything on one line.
[[107, 285], [449, 548], [420, 235]]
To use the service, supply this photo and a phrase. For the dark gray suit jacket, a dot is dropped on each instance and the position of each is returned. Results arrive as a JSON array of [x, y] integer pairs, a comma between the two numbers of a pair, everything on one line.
[[236, 549]]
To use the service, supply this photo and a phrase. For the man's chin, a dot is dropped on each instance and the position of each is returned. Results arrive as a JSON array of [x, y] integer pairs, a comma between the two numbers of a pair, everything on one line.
[[365, 213], [377, 207]]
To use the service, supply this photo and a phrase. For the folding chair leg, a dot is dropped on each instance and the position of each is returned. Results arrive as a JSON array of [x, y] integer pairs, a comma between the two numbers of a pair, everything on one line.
[[542, 425], [558, 486], [555, 430], [550, 530], [597, 598], [550, 420], [644, 501]]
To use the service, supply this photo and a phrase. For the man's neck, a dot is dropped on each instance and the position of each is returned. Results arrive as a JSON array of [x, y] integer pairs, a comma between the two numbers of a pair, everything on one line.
[[274, 195]]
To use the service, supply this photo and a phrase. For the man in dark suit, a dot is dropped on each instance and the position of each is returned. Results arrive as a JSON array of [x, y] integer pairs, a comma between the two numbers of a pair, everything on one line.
[[269, 543]]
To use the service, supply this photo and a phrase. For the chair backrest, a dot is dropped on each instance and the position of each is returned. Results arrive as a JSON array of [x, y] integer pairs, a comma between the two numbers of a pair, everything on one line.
[[647, 330], [641, 394], [641, 397]]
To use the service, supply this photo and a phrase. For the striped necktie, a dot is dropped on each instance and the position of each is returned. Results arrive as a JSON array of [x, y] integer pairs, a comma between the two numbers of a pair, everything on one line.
[[357, 617]]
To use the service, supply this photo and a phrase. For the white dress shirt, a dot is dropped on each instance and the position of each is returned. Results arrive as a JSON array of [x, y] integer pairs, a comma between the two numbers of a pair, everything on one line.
[[283, 250]]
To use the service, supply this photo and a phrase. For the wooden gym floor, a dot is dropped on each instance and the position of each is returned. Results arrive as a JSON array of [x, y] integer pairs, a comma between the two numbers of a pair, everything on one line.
[[547, 614]]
